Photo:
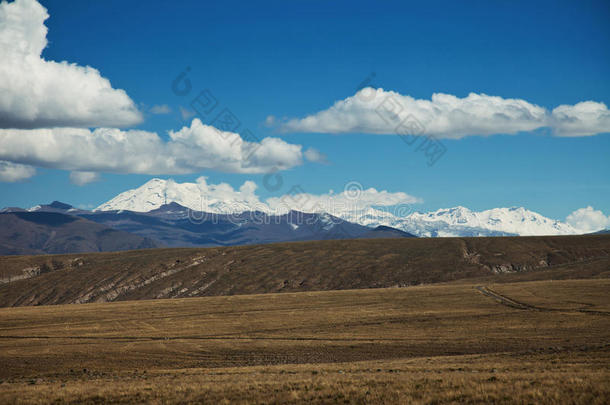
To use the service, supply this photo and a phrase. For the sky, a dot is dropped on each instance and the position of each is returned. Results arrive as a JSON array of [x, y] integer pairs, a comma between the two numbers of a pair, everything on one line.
[[482, 105]]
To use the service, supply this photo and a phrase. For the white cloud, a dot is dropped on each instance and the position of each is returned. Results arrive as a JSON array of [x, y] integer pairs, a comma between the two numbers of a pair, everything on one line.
[[269, 121], [353, 198], [12, 172], [582, 119], [160, 109], [82, 178], [313, 155], [37, 93], [377, 111], [191, 149], [588, 220], [186, 114]]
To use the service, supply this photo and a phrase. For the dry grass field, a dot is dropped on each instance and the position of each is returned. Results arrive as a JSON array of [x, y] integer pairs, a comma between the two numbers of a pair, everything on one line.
[[526, 342]]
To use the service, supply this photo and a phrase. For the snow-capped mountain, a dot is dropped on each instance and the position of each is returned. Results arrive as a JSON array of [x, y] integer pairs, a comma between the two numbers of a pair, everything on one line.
[[515, 220], [196, 196], [460, 221], [457, 221], [173, 225]]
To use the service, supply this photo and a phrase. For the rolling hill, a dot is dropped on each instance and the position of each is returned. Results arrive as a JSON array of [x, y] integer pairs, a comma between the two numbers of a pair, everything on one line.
[[297, 266]]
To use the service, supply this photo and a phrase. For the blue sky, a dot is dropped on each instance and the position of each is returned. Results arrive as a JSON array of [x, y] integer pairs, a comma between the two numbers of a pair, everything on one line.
[[293, 59]]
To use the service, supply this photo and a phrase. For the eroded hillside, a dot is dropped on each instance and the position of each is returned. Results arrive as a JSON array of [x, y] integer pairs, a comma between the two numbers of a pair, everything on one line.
[[289, 267]]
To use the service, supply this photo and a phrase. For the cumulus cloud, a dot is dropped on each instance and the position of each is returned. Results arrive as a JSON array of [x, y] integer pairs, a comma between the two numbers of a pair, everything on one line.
[[191, 149], [12, 172], [82, 178], [160, 109], [588, 220], [378, 111], [37, 93], [582, 119]]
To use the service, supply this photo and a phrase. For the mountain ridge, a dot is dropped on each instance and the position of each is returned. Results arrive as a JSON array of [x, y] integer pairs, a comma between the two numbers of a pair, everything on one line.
[[173, 225], [445, 222]]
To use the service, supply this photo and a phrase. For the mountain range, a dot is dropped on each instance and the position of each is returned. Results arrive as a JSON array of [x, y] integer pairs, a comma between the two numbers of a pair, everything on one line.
[[61, 228], [457, 221], [460, 221], [163, 213]]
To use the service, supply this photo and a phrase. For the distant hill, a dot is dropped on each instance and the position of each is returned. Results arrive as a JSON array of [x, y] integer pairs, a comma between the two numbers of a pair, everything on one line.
[[53, 232], [297, 266], [383, 231]]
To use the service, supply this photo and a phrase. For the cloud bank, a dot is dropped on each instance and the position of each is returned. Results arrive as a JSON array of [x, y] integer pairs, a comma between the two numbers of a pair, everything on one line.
[[37, 93], [377, 111], [191, 149]]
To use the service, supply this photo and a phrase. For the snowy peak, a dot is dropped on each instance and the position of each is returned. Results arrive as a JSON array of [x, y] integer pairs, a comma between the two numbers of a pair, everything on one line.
[[149, 196], [199, 196], [167, 195], [455, 216], [460, 221]]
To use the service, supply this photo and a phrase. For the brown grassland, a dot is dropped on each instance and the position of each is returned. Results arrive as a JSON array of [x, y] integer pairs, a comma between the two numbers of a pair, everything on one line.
[[294, 267], [447, 320], [521, 342]]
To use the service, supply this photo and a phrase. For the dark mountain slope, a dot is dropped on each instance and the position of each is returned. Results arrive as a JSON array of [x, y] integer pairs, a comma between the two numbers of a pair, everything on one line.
[[53, 232], [387, 232], [177, 226]]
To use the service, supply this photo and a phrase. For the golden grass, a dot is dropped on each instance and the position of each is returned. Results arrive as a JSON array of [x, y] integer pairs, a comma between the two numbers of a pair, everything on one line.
[[545, 378], [426, 344], [560, 294]]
